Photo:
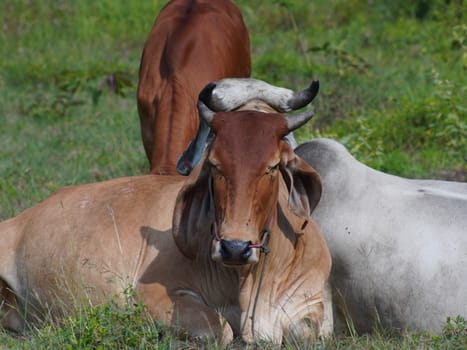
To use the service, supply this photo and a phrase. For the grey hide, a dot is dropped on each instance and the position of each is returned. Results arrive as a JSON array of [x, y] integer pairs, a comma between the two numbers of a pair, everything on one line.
[[399, 246]]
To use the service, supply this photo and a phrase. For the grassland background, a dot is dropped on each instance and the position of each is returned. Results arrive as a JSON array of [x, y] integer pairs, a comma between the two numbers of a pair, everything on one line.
[[392, 74]]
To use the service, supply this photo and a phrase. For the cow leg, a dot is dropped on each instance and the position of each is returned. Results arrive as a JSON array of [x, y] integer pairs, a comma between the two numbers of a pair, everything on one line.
[[199, 320], [327, 326], [9, 315], [308, 328], [318, 323], [147, 111]]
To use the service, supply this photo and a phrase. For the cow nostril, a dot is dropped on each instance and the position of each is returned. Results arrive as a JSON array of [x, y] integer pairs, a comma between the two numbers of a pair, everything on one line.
[[247, 252], [224, 249], [235, 250]]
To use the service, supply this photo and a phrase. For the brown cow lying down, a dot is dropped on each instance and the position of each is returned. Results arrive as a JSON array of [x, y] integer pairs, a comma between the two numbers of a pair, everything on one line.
[[194, 248]]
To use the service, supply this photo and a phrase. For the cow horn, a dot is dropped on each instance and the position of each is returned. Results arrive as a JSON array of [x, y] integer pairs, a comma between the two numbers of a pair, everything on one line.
[[230, 93], [206, 93], [294, 121], [205, 112], [301, 98]]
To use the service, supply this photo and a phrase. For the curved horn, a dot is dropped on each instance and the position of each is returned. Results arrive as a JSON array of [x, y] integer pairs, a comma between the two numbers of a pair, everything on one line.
[[206, 94], [230, 93], [294, 121], [301, 98], [205, 113]]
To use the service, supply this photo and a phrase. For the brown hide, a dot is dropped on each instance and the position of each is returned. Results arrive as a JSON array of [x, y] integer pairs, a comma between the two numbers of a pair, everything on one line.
[[191, 43], [245, 181], [91, 241]]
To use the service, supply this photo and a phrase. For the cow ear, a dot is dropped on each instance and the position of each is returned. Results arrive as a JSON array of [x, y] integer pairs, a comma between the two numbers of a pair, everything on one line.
[[304, 185], [192, 155], [191, 213]]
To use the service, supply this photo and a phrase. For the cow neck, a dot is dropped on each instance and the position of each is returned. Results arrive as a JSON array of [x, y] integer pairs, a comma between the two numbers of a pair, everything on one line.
[[268, 267], [264, 248]]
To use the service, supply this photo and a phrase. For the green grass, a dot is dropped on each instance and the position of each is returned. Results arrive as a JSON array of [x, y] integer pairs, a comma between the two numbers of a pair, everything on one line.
[[110, 326], [393, 90], [393, 86]]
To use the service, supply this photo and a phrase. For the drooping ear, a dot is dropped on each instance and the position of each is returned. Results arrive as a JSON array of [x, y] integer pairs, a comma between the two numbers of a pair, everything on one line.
[[192, 155], [304, 185], [193, 214]]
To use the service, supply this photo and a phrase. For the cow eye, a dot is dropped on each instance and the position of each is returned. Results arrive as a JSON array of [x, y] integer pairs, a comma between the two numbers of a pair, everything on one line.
[[272, 169], [215, 167]]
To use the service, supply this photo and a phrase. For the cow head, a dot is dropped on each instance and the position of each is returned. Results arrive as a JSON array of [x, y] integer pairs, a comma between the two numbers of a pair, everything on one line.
[[232, 196], [242, 93]]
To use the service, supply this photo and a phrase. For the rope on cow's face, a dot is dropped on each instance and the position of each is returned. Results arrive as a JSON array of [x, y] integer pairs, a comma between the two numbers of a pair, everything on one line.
[[264, 249], [263, 245]]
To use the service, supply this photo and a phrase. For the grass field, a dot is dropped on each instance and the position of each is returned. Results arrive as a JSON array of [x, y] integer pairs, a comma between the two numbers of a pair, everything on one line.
[[393, 90]]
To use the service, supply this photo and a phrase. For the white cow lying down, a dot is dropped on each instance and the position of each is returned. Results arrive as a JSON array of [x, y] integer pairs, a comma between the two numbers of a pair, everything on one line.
[[399, 246]]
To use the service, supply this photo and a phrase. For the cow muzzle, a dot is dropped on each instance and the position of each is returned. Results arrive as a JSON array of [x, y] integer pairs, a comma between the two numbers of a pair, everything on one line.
[[234, 252]]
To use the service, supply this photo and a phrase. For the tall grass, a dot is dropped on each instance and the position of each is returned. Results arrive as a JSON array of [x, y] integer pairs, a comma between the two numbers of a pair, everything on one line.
[[393, 90]]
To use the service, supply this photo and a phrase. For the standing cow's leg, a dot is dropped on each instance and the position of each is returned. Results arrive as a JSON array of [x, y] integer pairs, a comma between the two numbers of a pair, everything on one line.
[[147, 106]]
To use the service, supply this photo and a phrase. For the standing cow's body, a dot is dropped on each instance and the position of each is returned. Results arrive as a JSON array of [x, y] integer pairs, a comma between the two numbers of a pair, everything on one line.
[[193, 248], [399, 246], [191, 43]]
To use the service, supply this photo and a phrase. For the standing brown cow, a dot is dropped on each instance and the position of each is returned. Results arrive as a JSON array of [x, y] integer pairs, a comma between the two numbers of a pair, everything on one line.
[[191, 43]]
